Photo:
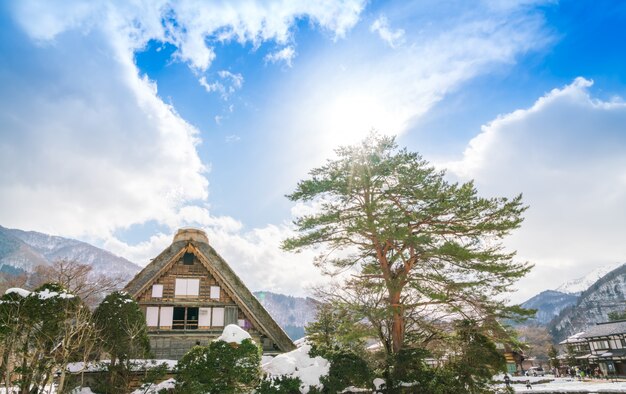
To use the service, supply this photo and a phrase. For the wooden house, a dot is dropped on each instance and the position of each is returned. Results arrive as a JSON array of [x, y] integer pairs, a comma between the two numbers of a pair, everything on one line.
[[189, 293]]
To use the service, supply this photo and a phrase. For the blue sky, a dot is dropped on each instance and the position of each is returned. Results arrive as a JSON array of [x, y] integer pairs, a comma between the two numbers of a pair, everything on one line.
[[123, 121]]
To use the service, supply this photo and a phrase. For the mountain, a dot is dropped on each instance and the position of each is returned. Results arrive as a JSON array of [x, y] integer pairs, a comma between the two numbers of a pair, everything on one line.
[[291, 313], [25, 250], [548, 304], [607, 294], [577, 286]]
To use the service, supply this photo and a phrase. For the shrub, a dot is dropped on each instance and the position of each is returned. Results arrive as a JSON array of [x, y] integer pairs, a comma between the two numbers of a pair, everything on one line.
[[279, 385], [219, 368], [346, 369]]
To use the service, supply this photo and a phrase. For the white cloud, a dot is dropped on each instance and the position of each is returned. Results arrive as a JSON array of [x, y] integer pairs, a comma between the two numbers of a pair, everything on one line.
[[230, 84], [285, 55], [103, 151], [254, 255], [189, 25], [565, 154], [92, 148], [351, 88], [391, 37]]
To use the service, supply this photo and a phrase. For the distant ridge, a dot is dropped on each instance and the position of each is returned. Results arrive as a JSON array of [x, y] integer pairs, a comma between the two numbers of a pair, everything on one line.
[[25, 250], [606, 295], [291, 313]]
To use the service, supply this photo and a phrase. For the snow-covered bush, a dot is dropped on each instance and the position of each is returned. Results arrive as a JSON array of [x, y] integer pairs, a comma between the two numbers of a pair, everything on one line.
[[299, 363], [39, 332], [230, 364]]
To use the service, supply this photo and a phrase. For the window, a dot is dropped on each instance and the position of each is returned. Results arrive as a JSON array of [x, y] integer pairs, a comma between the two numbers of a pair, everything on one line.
[[157, 291], [185, 318], [218, 317], [188, 258], [204, 320], [601, 345], [187, 287], [230, 315], [167, 313], [215, 292], [152, 316]]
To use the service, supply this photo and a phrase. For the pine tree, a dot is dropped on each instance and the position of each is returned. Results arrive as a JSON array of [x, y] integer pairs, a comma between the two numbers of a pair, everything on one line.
[[431, 246], [123, 334]]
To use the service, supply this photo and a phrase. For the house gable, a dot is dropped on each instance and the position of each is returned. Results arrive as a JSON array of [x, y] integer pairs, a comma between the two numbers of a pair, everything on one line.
[[190, 292]]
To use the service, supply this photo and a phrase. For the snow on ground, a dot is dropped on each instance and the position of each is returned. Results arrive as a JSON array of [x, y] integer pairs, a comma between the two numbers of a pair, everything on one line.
[[82, 390], [233, 334], [566, 385], [154, 388], [298, 363]]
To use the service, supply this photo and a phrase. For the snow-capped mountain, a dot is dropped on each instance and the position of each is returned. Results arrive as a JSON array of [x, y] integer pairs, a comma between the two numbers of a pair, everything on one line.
[[25, 250], [606, 295], [548, 304], [577, 286]]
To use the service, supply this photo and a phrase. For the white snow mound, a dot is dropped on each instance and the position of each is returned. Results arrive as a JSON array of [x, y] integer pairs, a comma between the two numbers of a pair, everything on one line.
[[19, 291], [233, 334], [298, 363]]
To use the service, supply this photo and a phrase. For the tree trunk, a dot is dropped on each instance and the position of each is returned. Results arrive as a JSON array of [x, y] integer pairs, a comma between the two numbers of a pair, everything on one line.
[[397, 325]]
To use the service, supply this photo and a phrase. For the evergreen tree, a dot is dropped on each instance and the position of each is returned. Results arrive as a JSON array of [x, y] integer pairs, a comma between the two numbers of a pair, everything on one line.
[[40, 332], [429, 246], [123, 334], [220, 367], [553, 354]]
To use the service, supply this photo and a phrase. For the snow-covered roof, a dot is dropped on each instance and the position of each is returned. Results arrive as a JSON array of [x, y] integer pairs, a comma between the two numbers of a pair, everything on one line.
[[576, 338], [606, 329]]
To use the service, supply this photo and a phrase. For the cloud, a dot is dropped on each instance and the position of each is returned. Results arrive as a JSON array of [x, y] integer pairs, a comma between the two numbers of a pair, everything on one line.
[[391, 37], [87, 146], [103, 150], [346, 90], [285, 55], [565, 154], [189, 25], [230, 84], [254, 255]]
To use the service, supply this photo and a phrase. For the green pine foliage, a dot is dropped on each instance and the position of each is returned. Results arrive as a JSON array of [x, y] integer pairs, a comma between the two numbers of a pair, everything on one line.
[[123, 335], [279, 385], [220, 367], [388, 214], [39, 333]]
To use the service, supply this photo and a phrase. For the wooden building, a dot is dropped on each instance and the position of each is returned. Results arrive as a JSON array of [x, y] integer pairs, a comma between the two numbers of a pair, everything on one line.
[[189, 293]]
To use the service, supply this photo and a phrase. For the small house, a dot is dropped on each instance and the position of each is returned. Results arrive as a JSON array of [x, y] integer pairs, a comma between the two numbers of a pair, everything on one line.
[[189, 294]]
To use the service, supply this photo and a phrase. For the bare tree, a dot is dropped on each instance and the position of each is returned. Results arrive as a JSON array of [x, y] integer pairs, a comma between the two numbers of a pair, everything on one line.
[[79, 279]]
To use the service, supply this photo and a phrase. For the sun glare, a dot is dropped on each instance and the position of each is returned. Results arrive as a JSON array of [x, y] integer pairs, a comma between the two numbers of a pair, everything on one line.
[[349, 118]]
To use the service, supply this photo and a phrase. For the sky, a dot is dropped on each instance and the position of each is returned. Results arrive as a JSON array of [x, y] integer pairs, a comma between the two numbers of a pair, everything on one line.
[[122, 121]]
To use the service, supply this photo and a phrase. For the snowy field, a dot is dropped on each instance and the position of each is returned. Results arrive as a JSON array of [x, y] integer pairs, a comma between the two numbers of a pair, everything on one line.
[[565, 385]]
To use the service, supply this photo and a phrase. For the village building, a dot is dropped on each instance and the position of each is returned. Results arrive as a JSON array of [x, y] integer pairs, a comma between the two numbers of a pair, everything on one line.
[[602, 346], [189, 294]]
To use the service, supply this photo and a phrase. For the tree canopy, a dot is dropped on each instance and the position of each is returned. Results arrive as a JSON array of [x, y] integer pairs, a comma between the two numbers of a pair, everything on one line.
[[429, 246]]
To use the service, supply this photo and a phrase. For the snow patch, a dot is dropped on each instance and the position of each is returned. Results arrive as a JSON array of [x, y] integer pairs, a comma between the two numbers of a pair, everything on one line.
[[298, 363], [576, 286], [168, 384], [18, 291], [82, 390], [47, 294], [233, 334]]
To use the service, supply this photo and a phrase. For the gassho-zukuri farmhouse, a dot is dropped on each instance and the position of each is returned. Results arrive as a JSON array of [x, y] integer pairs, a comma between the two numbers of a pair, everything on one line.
[[189, 294]]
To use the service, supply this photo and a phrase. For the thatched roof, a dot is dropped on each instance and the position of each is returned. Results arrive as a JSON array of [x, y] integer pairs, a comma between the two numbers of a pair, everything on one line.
[[195, 240]]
